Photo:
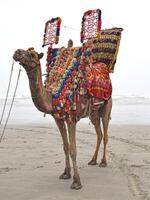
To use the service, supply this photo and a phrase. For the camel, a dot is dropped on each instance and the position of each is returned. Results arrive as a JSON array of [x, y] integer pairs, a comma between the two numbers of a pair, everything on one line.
[[42, 99]]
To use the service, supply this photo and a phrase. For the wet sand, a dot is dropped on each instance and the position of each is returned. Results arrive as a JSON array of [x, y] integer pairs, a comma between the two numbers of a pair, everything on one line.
[[32, 158]]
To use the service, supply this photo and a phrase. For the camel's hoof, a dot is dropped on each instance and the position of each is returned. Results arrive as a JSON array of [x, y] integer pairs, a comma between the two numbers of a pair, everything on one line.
[[92, 162], [103, 164], [65, 176], [76, 186]]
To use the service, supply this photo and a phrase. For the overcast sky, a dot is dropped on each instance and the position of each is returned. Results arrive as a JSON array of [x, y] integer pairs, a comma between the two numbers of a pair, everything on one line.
[[22, 24]]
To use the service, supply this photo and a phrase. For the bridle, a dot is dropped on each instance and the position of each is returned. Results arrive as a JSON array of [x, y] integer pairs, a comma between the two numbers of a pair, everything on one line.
[[32, 70], [30, 64]]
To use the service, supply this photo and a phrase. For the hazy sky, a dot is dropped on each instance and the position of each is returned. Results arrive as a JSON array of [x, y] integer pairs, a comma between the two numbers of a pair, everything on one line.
[[22, 24]]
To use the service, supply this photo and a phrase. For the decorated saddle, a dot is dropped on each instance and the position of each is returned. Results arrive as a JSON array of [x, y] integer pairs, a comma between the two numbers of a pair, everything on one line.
[[72, 72]]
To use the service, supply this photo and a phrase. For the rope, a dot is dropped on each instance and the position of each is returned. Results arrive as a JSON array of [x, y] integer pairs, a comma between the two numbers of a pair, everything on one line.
[[71, 28], [10, 106], [7, 93]]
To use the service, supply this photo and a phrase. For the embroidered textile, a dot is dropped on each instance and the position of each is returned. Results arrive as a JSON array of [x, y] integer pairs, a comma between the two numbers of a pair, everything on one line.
[[52, 29], [91, 24]]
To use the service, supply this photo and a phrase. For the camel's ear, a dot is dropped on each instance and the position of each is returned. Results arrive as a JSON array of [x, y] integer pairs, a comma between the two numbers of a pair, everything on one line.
[[40, 55]]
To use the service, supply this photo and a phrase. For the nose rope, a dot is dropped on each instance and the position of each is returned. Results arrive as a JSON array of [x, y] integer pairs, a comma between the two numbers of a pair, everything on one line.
[[1, 137]]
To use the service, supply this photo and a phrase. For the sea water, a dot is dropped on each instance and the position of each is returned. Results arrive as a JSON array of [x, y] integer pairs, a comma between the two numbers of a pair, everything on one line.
[[126, 110], [131, 110]]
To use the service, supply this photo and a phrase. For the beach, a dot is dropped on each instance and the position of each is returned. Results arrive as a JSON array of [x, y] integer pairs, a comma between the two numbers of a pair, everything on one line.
[[32, 157]]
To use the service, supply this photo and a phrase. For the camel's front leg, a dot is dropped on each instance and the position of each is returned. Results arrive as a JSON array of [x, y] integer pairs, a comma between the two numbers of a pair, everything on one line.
[[62, 128], [72, 137]]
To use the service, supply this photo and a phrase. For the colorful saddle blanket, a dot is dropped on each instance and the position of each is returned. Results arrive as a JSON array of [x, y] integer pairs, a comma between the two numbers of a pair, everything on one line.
[[63, 78]]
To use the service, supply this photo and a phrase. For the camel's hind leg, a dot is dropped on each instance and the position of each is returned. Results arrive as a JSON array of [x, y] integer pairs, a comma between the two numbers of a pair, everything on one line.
[[106, 112], [98, 142], [95, 119], [62, 128]]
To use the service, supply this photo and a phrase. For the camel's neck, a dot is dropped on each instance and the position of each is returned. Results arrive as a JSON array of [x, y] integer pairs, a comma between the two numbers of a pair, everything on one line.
[[41, 98]]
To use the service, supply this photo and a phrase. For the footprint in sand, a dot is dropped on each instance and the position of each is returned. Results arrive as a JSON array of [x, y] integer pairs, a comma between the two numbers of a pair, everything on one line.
[[6, 169]]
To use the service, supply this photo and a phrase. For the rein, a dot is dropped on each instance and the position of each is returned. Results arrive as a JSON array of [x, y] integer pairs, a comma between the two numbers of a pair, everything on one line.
[[6, 98], [1, 137]]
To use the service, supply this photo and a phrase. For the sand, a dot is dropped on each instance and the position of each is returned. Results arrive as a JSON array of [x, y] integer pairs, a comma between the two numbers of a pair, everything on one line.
[[32, 158]]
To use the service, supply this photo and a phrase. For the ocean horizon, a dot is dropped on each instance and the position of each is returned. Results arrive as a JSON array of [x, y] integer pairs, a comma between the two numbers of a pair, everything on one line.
[[127, 109]]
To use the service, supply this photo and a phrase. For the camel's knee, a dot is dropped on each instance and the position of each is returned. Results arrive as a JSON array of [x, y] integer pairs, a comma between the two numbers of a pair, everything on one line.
[[105, 139], [66, 149], [73, 152]]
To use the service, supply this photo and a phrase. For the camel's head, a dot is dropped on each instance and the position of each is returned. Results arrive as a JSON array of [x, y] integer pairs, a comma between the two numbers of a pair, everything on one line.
[[29, 59]]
